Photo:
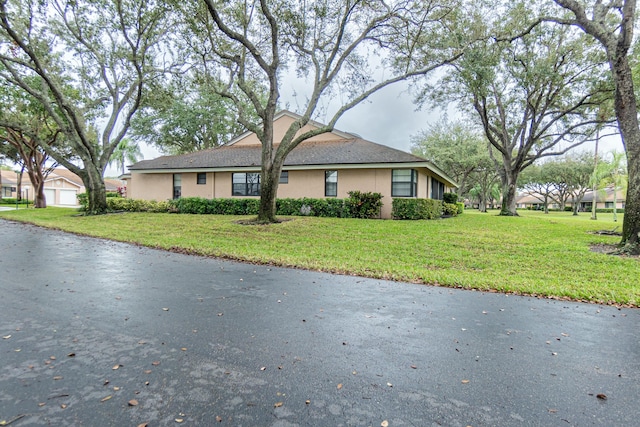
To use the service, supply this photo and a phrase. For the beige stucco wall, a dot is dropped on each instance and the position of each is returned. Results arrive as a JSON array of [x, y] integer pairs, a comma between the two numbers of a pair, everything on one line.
[[302, 183], [151, 186], [280, 127]]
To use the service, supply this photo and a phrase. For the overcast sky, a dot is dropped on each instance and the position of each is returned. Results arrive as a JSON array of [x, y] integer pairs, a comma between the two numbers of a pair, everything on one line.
[[388, 117]]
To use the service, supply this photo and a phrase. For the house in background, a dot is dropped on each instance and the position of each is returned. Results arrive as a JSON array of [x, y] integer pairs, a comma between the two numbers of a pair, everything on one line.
[[61, 186], [8, 184], [604, 199], [327, 165]]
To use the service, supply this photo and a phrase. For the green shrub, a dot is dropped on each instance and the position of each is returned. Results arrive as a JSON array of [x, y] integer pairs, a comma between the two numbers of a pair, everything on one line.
[[364, 205], [609, 210], [416, 209], [12, 201], [460, 208], [568, 208], [449, 209], [119, 204], [83, 201], [113, 194], [450, 198]]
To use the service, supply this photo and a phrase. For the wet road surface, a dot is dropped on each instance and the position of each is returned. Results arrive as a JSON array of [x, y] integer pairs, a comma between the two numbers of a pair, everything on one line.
[[97, 333]]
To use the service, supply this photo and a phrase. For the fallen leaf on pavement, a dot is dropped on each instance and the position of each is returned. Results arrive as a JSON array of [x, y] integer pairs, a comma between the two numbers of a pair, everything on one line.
[[133, 402], [339, 386], [155, 363], [218, 418], [465, 381], [278, 404], [602, 396], [385, 423], [104, 399]]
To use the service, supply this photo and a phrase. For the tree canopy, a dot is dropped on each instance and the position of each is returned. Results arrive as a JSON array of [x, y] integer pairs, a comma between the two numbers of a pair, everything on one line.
[[87, 63]]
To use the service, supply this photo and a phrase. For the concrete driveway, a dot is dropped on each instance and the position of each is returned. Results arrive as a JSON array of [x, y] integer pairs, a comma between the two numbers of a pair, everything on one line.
[[97, 333]]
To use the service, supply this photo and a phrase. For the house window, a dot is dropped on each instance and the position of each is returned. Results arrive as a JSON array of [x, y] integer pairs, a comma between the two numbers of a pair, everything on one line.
[[608, 205], [202, 178], [404, 183], [330, 183], [177, 185], [246, 184], [284, 177], [437, 189]]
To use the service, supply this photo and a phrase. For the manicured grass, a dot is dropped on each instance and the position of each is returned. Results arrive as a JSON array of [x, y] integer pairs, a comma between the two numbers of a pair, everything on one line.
[[535, 254]]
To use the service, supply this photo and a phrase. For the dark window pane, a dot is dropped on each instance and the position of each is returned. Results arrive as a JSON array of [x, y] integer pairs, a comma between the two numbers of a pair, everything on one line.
[[331, 183]]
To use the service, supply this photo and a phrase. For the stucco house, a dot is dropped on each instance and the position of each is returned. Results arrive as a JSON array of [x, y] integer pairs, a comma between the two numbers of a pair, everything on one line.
[[328, 165], [61, 186]]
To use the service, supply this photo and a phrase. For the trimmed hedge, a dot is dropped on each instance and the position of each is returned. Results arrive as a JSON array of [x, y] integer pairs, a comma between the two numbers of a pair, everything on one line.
[[358, 205], [450, 209], [136, 205], [460, 208], [450, 198], [364, 205], [12, 201], [416, 209]]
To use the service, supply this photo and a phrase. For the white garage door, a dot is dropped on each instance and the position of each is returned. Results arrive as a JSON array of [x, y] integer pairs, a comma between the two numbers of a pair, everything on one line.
[[68, 197], [50, 196]]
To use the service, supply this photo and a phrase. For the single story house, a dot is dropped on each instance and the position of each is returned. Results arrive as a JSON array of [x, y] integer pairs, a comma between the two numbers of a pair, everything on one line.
[[61, 186], [604, 199], [327, 165], [8, 187]]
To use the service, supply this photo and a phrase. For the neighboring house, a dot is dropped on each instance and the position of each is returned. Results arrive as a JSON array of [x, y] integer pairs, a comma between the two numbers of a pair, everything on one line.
[[8, 187], [61, 187], [604, 199], [328, 165], [535, 202]]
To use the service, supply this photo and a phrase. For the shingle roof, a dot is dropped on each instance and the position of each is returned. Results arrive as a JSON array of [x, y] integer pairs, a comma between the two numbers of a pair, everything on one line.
[[309, 153]]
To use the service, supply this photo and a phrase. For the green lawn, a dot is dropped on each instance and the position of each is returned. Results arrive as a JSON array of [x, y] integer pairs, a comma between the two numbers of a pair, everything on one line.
[[536, 254]]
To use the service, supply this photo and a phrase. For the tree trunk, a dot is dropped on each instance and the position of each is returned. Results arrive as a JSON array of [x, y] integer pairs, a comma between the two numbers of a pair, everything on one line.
[[37, 179], [39, 199], [509, 194], [19, 186], [95, 188], [631, 226], [574, 205], [269, 181], [546, 205], [626, 111]]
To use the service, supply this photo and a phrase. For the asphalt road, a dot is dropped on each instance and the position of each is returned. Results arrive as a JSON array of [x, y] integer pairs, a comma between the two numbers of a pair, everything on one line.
[[97, 333]]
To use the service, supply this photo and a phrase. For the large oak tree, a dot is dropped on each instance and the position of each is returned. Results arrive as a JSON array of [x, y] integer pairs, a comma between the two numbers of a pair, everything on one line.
[[90, 61], [535, 95], [611, 23], [346, 50]]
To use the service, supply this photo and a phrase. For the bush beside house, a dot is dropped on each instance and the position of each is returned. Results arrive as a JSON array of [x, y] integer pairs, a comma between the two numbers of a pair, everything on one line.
[[364, 205]]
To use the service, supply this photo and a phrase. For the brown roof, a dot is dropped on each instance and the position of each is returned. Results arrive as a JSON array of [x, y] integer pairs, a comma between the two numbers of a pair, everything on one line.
[[309, 153]]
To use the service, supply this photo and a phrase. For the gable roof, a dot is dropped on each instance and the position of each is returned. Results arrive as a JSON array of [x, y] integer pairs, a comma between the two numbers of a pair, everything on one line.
[[347, 151], [293, 116]]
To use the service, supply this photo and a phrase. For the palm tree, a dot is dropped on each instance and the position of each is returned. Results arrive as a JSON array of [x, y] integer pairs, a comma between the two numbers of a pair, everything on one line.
[[126, 151], [617, 177]]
